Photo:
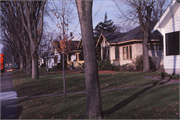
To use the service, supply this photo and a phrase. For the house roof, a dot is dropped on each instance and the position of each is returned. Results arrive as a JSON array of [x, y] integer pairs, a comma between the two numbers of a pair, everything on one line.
[[170, 11], [134, 34], [113, 37], [73, 44]]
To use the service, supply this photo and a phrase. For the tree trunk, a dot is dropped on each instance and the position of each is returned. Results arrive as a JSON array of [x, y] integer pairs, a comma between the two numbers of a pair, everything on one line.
[[24, 64], [94, 105], [64, 81], [21, 63], [144, 24], [35, 70], [12, 60], [28, 65], [146, 67]]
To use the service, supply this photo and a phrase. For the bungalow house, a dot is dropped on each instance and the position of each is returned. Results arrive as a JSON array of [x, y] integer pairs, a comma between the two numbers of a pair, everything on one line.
[[123, 48], [74, 57], [169, 27]]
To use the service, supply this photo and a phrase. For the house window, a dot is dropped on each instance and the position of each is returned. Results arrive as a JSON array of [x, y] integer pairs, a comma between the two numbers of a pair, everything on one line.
[[172, 43], [130, 52], [127, 52], [124, 53], [116, 52], [81, 56], [155, 46]]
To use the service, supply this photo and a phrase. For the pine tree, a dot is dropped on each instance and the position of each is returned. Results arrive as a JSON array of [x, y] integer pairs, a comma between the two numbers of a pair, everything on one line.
[[106, 26]]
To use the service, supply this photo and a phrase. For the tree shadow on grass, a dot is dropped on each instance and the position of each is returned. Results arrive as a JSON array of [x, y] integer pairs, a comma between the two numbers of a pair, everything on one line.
[[125, 102]]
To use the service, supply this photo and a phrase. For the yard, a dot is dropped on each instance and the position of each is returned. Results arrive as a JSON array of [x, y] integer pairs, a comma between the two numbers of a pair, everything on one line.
[[153, 102]]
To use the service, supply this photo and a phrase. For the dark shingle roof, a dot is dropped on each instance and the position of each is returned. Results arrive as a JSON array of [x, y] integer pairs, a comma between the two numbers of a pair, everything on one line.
[[113, 37], [132, 34]]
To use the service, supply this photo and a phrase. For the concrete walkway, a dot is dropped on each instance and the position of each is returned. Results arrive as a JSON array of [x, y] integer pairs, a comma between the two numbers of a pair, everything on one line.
[[9, 107]]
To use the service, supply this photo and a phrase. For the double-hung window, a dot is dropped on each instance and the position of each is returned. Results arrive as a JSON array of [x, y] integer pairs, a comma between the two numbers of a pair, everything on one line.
[[127, 52]]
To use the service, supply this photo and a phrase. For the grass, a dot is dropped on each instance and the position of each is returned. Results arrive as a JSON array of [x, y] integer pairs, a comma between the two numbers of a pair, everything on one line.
[[24, 86], [159, 102]]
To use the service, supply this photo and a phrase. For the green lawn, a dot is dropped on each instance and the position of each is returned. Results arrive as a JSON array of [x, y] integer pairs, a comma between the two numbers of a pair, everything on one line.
[[24, 86], [159, 102]]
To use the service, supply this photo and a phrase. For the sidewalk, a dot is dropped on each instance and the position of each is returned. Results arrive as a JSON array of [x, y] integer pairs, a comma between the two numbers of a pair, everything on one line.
[[9, 107]]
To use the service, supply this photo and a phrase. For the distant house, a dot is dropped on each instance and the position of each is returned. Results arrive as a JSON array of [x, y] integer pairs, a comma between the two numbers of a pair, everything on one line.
[[74, 57], [123, 48], [50, 61], [169, 27]]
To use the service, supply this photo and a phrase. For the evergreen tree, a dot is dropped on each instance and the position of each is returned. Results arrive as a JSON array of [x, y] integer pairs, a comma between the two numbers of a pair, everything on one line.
[[106, 26]]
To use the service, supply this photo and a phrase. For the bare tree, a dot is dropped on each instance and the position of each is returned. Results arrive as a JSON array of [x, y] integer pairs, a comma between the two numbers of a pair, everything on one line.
[[32, 19], [140, 11], [63, 11], [94, 105], [15, 35]]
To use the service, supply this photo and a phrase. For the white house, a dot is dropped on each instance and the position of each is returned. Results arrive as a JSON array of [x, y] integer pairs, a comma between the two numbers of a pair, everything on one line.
[[169, 27]]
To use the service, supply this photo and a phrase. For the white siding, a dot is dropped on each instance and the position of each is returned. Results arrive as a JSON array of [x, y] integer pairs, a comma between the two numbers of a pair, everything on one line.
[[174, 23], [172, 62]]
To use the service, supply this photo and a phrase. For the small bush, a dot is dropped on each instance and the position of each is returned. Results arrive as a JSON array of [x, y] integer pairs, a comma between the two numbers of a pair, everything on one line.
[[105, 65], [116, 68], [139, 63]]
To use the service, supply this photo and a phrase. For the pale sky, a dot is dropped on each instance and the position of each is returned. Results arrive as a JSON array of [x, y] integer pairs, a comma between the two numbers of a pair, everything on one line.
[[99, 9]]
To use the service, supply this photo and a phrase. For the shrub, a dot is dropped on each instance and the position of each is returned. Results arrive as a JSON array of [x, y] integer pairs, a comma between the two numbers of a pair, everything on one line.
[[139, 63], [105, 65], [116, 68]]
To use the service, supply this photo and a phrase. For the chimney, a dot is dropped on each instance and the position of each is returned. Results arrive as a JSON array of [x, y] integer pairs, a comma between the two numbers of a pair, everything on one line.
[[71, 34]]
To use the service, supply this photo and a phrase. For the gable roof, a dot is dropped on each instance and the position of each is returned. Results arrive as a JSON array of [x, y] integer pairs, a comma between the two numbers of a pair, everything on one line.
[[170, 11], [134, 34]]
